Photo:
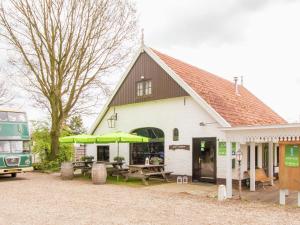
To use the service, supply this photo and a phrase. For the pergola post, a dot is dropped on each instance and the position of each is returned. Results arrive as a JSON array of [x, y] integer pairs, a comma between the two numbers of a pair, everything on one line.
[[229, 169], [259, 156], [252, 166], [271, 162]]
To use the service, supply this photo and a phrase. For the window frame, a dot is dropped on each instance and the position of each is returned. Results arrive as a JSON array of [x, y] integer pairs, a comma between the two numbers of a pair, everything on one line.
[[143, 88], [175, 134]]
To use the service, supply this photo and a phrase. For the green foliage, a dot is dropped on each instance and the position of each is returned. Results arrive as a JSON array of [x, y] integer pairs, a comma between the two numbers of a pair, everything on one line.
[[52, 166], [119, 158], [41, 145], [156, 160], [87, 158], [75, 124]]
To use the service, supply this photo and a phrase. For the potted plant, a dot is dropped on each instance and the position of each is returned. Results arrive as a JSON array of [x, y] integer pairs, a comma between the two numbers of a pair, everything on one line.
[[87, 158], [155, 160], [119, 159]]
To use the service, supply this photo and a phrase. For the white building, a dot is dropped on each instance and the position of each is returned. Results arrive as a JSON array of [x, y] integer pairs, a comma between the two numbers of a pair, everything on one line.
[[192, 117]]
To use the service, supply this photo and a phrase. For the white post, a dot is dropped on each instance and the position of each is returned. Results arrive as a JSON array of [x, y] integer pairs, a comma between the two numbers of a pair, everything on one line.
[[252, 166], [271, 162], [298, 199], [282, 196], [259, 155], [229, 169]]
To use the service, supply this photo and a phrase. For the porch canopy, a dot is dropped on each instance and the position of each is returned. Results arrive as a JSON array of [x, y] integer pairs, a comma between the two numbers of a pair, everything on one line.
[[252, 135]]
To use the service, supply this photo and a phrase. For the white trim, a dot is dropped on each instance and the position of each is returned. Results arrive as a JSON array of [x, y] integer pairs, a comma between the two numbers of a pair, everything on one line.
[[171, 73], [188, 89], [261, 127]]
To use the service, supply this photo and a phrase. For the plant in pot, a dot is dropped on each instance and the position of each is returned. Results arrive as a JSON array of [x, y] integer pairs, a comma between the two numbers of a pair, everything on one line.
[[119, 159], [155, 160], [87, 158]]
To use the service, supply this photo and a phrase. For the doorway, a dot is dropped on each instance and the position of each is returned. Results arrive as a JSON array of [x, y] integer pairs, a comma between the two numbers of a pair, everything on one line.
[[103, 153], [204, 159]]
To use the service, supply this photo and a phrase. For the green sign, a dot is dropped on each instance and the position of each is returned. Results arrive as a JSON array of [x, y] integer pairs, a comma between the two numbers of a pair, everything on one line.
[[222, 148], [291, 156]]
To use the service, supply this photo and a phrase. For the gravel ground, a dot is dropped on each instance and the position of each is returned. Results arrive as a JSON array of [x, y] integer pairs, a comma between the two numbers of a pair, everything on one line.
[[41, 199]]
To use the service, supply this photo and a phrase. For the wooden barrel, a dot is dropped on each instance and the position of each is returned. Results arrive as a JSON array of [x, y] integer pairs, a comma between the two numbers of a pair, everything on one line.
[[67, 171], [99, 173]]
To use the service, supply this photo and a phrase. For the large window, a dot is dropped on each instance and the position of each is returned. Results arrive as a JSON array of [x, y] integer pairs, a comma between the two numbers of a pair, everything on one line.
[[13, 146], [12, 116], [103, 153], [144, 88]]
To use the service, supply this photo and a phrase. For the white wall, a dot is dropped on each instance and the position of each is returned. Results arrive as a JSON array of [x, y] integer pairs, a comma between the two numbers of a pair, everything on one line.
[[165, 115]]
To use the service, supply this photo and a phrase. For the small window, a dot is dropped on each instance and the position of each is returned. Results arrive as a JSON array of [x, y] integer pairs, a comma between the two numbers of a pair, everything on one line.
[[3, 116], [148, 87], [175, 134], [140, 89]]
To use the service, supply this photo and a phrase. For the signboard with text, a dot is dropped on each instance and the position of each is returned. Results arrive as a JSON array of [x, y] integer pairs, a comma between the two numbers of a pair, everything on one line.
[[222, 149], [291, 155]]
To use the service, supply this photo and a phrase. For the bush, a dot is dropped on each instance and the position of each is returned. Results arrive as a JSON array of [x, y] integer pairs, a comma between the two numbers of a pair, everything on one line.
[[87, 158], [119, 158], [47, 166]]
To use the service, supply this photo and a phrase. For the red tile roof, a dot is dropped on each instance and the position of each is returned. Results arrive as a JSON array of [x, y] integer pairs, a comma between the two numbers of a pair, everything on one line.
[[219, 93]]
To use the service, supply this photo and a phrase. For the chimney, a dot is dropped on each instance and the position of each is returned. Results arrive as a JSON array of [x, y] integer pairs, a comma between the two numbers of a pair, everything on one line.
[[236, 85], [242, 80]]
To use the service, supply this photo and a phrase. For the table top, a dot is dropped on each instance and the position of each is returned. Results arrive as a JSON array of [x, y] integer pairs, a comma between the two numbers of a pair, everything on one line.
[[146, 166]]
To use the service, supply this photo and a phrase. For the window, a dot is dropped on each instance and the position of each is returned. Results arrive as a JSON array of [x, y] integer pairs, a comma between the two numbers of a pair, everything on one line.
[[140, 89], [175, 134], [16, 117], [11, 146], [3, 116], [144, 88], [4, 147], [148, 87], [103, 153]]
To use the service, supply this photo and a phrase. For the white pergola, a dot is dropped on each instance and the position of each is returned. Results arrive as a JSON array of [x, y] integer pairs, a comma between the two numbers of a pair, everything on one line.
[[253, 135]]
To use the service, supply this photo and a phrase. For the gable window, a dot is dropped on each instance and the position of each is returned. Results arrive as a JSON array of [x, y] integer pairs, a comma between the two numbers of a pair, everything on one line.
[[144, 88], [140, 88], [148, 87], [175, 134]]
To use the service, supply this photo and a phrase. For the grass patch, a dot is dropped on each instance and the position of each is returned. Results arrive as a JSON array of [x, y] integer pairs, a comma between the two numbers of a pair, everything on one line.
[[132, 182]]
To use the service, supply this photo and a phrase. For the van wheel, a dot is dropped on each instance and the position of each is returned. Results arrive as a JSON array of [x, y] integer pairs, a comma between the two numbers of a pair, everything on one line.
[[13, 175]]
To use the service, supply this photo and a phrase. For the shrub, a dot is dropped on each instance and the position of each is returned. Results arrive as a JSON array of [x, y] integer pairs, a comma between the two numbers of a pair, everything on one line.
[[119, 158]]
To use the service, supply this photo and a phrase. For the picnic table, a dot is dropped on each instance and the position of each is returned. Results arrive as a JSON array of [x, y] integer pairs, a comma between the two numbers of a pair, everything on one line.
[[113, 168], [144, 172]]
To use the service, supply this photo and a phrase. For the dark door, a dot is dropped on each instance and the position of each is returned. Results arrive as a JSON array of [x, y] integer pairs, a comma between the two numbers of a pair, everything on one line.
[[204, 159], [103, 153]]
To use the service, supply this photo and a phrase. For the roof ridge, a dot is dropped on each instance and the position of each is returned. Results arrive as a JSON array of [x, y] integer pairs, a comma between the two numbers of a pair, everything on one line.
[[195, 67]]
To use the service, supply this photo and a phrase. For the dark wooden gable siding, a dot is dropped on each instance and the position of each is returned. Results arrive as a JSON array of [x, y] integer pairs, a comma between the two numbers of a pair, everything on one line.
[[163, 86]]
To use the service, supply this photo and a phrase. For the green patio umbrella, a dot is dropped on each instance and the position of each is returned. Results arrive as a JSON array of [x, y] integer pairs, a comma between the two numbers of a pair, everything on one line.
[[121, 137], [80, 139]]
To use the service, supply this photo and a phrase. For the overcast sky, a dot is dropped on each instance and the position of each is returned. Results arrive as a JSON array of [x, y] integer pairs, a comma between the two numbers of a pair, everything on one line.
[[256, 39]]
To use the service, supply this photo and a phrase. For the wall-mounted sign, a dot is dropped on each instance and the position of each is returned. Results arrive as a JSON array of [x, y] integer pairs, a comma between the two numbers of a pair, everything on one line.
[[182, 147], [222, 148], [291, 155]]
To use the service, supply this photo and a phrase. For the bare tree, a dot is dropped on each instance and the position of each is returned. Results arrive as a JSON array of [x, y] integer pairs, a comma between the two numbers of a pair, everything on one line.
[[65, 47], [5, 94]]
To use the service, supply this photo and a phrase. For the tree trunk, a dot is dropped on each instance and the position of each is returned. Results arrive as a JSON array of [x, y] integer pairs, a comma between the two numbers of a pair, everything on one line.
[[54, 135]]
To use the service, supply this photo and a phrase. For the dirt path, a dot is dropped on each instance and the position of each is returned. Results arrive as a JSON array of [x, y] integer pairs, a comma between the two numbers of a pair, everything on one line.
[[40, 199]]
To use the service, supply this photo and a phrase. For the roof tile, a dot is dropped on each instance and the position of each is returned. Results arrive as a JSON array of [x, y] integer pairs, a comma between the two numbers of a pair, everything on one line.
[[219, 93]]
